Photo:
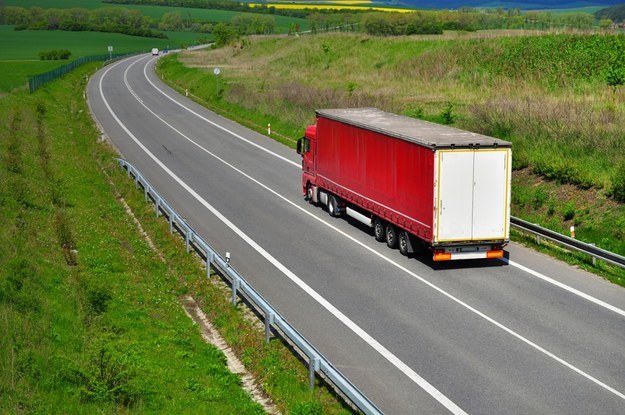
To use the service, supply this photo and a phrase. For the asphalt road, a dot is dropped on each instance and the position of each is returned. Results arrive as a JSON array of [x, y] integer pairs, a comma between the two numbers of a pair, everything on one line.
[[526, 335]]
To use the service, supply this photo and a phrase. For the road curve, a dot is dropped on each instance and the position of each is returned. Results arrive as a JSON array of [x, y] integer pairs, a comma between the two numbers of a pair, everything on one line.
[[525, 335]]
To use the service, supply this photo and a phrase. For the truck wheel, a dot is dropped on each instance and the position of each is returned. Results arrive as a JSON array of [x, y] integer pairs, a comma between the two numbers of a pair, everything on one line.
[[391, 236], [332, 206], [309, 193], [404, 243], [378, 230]]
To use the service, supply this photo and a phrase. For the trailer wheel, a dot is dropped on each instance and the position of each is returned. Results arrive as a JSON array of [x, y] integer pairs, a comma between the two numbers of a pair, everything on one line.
[[404, 243], [378, 230], [391, 236], [332, 205]]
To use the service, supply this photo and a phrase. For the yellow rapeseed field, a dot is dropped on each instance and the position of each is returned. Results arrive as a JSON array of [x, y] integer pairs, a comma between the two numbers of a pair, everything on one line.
[[341, 5]]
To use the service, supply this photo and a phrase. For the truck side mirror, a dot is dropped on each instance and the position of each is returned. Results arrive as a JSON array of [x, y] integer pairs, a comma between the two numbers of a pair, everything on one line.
[[299, 145]]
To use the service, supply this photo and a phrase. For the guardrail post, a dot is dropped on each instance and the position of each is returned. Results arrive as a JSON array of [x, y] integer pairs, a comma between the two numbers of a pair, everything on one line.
[[188, 237], [171, 222], [313, 366], [210, 258], [269, 320], [136, 181], [158, 207], [236, 283], [145, 193], [537, 236], [594, 258]]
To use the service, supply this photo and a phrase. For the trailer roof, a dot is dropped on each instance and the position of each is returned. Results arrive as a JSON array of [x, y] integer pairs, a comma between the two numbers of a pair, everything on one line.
[[424, 133]]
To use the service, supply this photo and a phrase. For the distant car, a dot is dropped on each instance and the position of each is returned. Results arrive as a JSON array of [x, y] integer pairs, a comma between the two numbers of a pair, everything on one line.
[[154, 51]]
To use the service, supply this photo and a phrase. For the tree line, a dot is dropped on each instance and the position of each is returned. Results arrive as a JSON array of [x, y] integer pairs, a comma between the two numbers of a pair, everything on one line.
[[106, 19], [125, 21]]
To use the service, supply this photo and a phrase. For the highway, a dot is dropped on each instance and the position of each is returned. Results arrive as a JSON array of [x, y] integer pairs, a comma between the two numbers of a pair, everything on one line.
[[524, 335]]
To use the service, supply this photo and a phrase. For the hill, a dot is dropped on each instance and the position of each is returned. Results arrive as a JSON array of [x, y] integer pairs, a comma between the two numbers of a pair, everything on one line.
[[615, 13]]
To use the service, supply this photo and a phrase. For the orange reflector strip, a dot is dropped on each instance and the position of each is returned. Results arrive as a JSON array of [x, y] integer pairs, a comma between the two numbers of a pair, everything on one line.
[[442, 256], [494, 254]]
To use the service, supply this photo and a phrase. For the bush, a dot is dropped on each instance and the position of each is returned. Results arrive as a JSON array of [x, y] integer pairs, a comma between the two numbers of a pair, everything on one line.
[[568, 212], [110, 374], [447, 114], [53, 55]]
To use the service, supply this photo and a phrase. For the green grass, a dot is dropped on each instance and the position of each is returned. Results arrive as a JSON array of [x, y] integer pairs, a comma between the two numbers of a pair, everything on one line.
[[14, 74], [90, 315], [563, 119]]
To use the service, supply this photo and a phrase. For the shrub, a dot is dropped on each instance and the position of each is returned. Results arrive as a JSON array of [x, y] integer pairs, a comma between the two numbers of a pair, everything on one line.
[[55, 55], [447, 114], [568, 211], [414, 112], [110, 374]]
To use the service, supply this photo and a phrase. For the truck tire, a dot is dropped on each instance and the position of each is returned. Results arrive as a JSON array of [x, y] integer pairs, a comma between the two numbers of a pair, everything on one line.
[[378, 230], [391, 236], [332, 206], [309, 193], [404, 243]]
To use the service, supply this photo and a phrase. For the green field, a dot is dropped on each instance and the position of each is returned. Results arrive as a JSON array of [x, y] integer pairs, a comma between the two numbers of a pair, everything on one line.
[[20, 57]]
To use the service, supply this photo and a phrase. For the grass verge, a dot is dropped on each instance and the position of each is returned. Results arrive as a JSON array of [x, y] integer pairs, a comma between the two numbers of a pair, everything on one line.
[[90, 314]]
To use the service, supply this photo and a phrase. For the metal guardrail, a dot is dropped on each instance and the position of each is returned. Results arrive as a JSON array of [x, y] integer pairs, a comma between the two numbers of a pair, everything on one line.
[[317, 363], [571, 243]]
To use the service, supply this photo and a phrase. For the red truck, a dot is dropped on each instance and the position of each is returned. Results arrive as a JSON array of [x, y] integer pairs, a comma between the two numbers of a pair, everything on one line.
[[418, 184]]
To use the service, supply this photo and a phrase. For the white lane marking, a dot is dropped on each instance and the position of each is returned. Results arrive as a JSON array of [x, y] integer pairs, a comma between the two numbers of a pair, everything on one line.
[[519, 266], [565, 287], [387, 354], [397, 265], [217, 125]]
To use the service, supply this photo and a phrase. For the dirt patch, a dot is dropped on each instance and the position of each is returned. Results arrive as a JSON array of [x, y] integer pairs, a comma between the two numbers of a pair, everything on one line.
[[211, 335]]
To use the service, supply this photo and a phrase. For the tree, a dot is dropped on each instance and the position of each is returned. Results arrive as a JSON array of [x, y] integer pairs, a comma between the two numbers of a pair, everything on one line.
[[224, 34], [605, 23], [171, 21]]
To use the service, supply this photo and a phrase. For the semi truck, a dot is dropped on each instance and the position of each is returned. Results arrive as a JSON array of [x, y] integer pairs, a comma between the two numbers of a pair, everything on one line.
[[420, 186]]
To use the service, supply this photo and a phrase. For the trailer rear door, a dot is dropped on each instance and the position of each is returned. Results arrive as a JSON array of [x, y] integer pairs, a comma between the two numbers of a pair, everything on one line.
[[472, 193]]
